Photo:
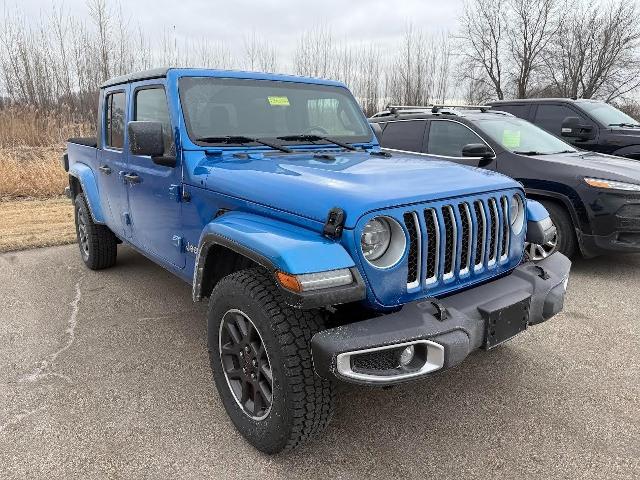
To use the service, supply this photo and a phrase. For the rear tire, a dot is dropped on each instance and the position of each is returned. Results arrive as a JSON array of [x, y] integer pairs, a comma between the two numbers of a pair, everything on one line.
[[98, 247], [265, 375]]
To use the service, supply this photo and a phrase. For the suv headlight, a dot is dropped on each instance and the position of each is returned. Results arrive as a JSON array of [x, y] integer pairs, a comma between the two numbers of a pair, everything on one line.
[[516, 214], [383, 242], [611, 184]]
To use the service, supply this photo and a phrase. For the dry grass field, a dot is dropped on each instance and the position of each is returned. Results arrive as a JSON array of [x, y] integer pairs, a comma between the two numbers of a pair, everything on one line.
[[32, 211], [35, 223]]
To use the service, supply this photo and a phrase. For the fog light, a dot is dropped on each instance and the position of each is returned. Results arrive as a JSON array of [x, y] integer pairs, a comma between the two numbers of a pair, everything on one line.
[[407, 355]]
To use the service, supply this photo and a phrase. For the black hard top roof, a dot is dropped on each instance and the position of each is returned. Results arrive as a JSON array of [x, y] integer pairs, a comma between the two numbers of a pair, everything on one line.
[[136, 76]]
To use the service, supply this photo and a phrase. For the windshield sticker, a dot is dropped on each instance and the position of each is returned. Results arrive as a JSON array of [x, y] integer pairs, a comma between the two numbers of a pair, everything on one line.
[[511, 139], [278, 101]]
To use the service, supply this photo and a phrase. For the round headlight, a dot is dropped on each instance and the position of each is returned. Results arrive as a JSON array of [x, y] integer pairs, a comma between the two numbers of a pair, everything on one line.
[[383, 242], [516, 214], [376, 238]]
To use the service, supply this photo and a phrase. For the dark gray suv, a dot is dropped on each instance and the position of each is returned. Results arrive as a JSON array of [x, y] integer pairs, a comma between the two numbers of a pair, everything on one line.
[[587, 124]]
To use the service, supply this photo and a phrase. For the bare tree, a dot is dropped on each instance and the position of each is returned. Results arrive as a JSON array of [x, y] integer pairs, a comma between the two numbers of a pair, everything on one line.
[[532, 26], [314, 55], [596, 52], [259, 54], [484, 38]]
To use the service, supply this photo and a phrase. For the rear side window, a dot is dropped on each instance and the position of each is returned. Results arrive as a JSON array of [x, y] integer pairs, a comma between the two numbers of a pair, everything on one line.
[[151, 106], [448, 138], [114, 120], [550, 117], [521, 111], [407, 135]]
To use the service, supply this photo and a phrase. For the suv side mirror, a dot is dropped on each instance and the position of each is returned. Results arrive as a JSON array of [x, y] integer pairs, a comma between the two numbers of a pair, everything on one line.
[[477, 150], [145, 138], [572, 127]]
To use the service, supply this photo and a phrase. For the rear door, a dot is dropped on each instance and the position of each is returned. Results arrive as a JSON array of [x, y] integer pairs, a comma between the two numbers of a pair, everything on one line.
[[112, 160], [446, 138], [154, 190], [405, 135]]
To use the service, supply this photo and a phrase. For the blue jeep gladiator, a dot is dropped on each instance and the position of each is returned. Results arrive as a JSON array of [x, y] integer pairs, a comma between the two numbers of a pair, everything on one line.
[[323, 258]]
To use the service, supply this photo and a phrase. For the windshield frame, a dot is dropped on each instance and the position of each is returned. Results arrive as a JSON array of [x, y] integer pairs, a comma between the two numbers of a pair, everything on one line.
[[353, 140], [481, 122]]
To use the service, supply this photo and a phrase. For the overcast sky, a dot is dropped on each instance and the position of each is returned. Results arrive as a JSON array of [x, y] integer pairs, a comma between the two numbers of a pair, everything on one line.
[[279, 21]]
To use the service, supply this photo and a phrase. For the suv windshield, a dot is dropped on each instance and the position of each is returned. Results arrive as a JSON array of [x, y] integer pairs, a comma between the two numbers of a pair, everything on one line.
[[520, 136], [608, 114], [266, 109]]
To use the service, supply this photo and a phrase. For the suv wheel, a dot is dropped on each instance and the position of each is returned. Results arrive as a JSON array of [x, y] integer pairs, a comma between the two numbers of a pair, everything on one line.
[[564, 241], [260, 356], [98, 245]]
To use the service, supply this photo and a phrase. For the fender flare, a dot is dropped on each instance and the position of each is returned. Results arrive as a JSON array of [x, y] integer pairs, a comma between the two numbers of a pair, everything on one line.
[[536, 211], [278, 246], [85, 176]]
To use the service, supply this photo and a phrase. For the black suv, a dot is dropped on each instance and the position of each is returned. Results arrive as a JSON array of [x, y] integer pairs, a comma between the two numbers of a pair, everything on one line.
[[593, 199], [587, 124]]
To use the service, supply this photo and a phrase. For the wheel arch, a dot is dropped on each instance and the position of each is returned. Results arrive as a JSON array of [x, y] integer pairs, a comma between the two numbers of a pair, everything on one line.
[[238, 240], [580, 220], [82, 180]]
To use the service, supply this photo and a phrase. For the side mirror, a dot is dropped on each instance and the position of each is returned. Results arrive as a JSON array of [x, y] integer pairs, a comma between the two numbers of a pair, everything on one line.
[[377, 130], [572, 127], [477, 150], [145, 138]]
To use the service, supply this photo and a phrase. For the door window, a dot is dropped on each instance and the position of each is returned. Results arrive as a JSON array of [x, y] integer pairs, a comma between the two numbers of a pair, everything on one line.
[[550, 117], [448, 138], [407, 135], [151, 106], [518, 110], [114, 120]]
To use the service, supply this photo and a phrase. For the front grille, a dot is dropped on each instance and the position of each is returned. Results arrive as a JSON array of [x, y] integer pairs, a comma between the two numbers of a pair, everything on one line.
[[457, 239], [413, 227], [433, 240]]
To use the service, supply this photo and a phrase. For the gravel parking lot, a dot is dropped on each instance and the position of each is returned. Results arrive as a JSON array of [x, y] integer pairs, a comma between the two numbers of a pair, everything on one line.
[[105, 375]]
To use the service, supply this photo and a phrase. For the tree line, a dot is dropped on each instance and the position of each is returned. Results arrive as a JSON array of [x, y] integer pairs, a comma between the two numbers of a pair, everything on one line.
[[503, 48]]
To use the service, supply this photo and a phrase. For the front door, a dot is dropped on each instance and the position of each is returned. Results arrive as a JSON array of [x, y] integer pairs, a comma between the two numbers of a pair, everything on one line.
[[112, 161], [154, 199], [447, 138]]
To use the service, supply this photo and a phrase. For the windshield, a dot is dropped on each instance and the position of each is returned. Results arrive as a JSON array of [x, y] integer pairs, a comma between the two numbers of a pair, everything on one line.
[[607, 114], [520, 136], [266, 109]]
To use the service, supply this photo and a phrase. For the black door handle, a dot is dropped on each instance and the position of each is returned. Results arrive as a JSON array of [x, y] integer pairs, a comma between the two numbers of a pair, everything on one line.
[[131, 178], [105, 169]]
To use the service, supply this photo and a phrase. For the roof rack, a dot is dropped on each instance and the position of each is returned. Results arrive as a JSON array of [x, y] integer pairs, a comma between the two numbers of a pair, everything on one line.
[[396, 109]]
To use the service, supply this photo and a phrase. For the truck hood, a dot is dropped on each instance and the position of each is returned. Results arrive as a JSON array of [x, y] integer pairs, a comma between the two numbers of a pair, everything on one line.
[[599, 165], [357, 182]]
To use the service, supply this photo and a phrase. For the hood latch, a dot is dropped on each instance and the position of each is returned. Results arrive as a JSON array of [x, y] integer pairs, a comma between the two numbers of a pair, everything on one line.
[[335, 223]]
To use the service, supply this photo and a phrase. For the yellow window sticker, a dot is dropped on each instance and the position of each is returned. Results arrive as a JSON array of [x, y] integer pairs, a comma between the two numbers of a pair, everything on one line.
[[278, 101], [511, 139]]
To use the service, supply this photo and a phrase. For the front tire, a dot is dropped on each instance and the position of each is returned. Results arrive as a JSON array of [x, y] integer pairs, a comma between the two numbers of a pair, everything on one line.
[[260, 355], [98, 244], [565, 240]]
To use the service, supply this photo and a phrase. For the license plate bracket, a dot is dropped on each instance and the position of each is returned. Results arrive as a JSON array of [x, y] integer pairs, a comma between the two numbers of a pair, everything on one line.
[[502, 324]]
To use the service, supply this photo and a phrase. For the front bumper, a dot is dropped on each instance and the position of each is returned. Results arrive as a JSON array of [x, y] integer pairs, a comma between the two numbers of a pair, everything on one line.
[[535, 291]]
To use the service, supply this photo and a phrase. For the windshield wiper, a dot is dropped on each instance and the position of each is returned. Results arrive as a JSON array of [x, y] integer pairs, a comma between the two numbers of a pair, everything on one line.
[[530, 153], [313, 138], [228, 139], [631, 125]]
